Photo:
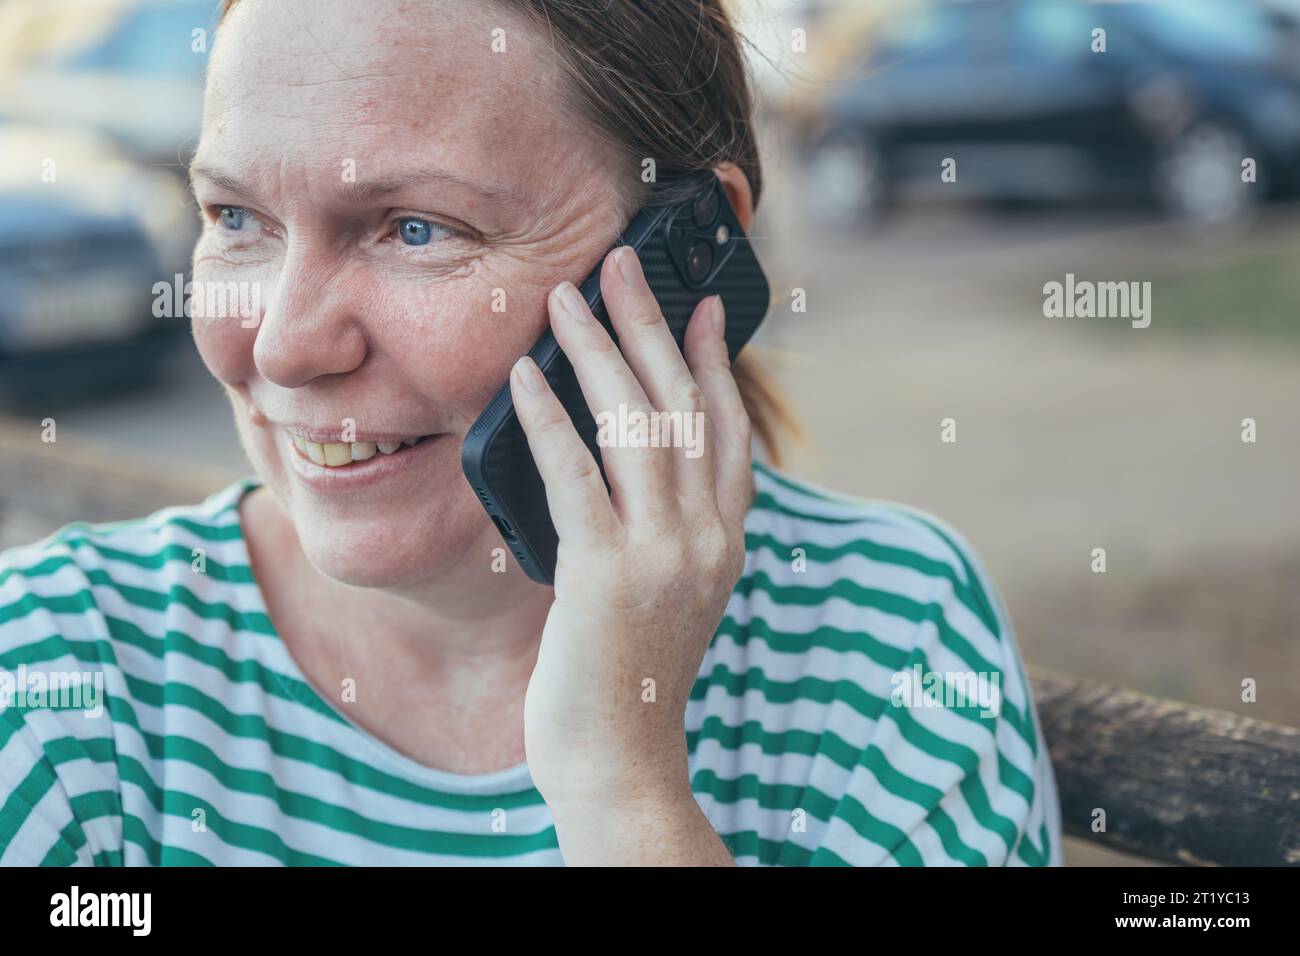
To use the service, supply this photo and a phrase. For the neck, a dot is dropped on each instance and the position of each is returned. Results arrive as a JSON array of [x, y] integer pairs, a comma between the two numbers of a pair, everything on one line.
[[467, 614]]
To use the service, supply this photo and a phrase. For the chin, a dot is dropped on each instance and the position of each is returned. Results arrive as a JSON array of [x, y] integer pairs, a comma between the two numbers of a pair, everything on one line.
[[395, 551]]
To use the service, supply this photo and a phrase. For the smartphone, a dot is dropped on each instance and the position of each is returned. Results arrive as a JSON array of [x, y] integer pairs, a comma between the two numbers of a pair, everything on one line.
[[689, 250]]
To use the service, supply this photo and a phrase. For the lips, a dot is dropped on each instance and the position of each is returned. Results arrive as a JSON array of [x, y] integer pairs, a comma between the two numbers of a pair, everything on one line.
[[350, 468]]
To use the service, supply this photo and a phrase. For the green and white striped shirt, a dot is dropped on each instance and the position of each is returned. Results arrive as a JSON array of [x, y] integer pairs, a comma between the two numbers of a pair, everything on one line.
[[809, 740]]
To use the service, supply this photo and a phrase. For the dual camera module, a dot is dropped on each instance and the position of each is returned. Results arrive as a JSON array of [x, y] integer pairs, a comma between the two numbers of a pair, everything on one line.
[[698, 235]]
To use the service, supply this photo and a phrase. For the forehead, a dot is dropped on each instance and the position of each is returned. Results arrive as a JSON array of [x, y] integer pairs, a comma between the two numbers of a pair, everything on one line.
[[313, 83]]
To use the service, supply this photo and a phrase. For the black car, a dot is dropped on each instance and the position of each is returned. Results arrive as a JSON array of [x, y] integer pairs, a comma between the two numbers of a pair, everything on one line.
[[1062, 100], [85, 236], [93, 206]]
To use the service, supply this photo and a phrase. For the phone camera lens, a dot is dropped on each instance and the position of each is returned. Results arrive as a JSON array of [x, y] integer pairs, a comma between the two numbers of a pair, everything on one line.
[[705, 209], [699, 261]]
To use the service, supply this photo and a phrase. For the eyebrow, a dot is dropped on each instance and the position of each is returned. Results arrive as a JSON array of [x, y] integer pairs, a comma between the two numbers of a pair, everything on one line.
[[358, 193]]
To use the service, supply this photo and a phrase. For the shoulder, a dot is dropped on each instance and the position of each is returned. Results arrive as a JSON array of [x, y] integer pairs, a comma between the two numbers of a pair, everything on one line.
[[872, 554], [82, 619], [94, 603], [871, 631], [70, 585]]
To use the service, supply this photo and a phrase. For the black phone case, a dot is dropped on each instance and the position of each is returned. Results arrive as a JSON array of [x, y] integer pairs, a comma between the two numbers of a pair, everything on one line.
[[496, 458]]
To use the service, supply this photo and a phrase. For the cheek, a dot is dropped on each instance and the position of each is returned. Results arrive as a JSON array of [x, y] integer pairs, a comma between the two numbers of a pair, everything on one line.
[[456, 340], [225, 341], [226, 349]]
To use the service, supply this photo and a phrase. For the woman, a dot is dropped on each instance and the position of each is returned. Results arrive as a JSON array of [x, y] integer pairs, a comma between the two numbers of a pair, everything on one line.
[[327, 663]]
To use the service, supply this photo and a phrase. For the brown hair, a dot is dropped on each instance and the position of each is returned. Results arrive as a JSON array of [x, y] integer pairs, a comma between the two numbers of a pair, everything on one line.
[[665, 79]]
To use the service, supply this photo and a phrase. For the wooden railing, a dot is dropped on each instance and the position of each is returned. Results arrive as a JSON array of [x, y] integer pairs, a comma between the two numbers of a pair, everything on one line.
[[1176, 783]]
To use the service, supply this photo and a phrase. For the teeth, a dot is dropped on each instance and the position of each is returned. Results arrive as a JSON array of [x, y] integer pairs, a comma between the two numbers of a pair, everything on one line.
[[336, 454]]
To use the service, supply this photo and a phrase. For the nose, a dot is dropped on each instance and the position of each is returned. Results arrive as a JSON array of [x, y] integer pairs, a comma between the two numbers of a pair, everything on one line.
[[311, 326]]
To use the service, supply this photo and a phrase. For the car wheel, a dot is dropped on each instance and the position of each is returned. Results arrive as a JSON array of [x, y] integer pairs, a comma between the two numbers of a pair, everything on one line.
[[1198, 175], [844, 184]]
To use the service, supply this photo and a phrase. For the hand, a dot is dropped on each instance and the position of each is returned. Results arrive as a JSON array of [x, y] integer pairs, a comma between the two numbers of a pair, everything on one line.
[[644, 571]]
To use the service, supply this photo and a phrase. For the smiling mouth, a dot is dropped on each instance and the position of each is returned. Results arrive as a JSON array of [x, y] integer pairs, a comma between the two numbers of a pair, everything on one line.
[[342, 454]]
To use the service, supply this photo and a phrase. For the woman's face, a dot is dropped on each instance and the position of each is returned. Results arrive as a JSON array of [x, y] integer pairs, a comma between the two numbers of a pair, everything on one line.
[[400, 193]]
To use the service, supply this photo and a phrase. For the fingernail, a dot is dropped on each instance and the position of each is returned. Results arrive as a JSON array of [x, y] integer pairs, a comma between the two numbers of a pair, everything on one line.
[[718, 315], [529, 375], [570, 300], [629, 267]]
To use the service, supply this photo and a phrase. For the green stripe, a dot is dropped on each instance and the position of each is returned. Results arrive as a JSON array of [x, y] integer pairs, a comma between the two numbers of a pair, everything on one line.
[[823, 637], [880, 553], [807, 491], [985, 607], [887, 602], [96, 804], [224, 502], [150, 561], [769, 852], [251, 671], [83, 600], [23, 800], [65, 851], [112, 857]]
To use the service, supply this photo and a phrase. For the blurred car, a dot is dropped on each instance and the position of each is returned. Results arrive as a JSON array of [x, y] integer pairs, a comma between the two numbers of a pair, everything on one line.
[[1017, 96], [84, 236], [132, 69]]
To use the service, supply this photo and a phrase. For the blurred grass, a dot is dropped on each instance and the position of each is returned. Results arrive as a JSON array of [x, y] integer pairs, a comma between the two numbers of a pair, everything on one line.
[[1251, 295]]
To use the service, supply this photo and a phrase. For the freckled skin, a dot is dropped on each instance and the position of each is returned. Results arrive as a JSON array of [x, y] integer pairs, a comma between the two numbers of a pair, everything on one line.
[[354, 324]]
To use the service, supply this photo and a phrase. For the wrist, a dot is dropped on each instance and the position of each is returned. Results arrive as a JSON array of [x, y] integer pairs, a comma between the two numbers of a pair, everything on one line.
[[609, 808], [665, 827], [615, 776]]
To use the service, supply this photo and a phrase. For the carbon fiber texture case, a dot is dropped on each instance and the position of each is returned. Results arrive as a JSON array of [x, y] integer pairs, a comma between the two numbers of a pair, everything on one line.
[[496, 458]]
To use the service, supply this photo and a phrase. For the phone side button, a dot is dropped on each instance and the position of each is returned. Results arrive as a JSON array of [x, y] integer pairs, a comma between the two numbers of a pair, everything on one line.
[[504, 527]]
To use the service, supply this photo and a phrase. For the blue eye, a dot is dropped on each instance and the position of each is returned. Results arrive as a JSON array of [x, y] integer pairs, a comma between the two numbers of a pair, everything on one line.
[[415, 232], [232, 217]]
